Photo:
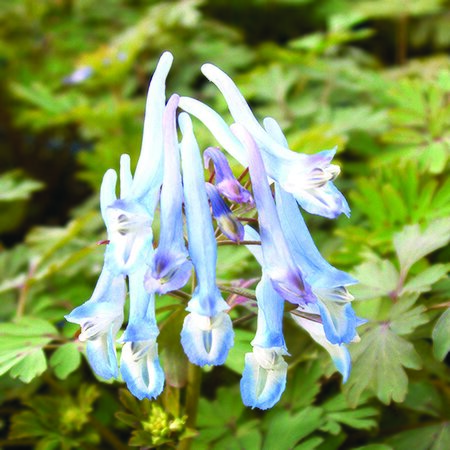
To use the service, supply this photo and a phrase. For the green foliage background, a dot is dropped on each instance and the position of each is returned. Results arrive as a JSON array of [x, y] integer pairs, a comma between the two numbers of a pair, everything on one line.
[[372, 77]]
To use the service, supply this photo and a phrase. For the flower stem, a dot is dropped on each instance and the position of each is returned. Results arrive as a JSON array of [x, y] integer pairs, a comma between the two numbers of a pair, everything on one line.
[[192, 398]]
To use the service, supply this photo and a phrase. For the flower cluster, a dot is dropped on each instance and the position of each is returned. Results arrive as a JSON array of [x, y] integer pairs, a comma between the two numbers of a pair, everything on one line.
[[170, 176]]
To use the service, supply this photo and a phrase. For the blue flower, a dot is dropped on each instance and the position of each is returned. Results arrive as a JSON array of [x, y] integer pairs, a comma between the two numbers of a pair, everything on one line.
[[129, 218], [308, 177], [327, 283], [100, 319], [225, 181], [264, 377], [207, 333], [170, 268], [339, 353], [227, 222], [285, 274]]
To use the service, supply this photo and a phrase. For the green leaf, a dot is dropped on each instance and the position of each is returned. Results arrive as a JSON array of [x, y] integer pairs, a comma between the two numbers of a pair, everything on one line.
[[377, 278], [283, 430], [433, 437], [425, 398], [30, 366], [338, 411], [412, 244], [404, 317], [65, 360], [441, 336], [15, 186], [378, 365], [425, 279], [21, 346]]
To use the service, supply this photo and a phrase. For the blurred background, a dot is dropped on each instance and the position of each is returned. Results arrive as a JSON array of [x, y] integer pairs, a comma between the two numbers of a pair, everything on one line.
[[372, 77]]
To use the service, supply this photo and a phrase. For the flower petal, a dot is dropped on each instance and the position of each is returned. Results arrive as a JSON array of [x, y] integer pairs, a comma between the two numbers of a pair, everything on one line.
[[207, 340], [286, 276], [317, 270], [141, 370], [148, 174], [101, 354], [226, 220], [339, 353], [262, 384], [142, 321], [226, 183]]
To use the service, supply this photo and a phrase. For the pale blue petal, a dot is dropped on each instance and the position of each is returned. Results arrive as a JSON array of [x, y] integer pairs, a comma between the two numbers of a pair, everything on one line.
[[226, 220], [141, 370], [307, 177], [142, 321], [205, 340], [339, 319], [225, 181], [250, 234], [101, 354], [273, 128], [103, 310], [317, 270], [327, 201], [108, 192], [339, 353], [202, 242], [169, 271], [269, 332], [126, 179], [262, 387], [130, 236], [218, 127], [149, 169], [286, 276], [170, 268]]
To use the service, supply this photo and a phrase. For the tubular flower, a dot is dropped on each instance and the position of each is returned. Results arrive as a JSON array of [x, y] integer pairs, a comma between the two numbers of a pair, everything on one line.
[[264, 377], [170, 268], [128, 219], [100, 319], [227, 222], [139, 364], [308, 177], [226, 182], [207, 333], [286, 276]]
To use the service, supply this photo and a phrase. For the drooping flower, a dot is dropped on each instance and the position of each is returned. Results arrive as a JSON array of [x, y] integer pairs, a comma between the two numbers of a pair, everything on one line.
[[207, 333], [100, 319], [225, 181], [139, 364], [280, 267], [227, 222], [170, 268], [264, 377], [129, 218], [308, 177], [339, 352]]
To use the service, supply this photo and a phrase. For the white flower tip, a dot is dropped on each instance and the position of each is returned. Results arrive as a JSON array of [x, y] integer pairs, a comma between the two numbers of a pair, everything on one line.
[[185, 123], [210, 71], [124, 159], [166, 57]]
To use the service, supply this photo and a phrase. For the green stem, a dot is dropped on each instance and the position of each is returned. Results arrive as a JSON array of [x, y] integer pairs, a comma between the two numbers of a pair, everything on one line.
[[192, 398]]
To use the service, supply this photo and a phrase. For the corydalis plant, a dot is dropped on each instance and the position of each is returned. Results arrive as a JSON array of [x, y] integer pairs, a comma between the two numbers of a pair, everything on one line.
[[170, 178]]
